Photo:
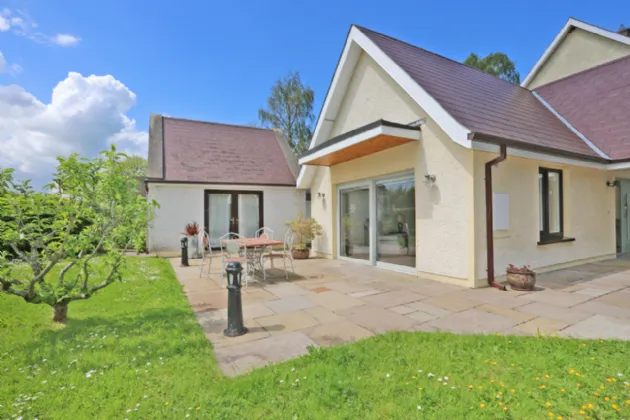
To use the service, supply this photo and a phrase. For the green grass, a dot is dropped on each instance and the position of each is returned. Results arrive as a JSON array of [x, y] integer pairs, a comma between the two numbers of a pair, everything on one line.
[[144, 349]]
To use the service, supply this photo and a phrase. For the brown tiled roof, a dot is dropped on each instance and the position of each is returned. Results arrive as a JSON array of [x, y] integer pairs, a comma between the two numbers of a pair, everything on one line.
[[197, 151], [488, 106], [597, 103]]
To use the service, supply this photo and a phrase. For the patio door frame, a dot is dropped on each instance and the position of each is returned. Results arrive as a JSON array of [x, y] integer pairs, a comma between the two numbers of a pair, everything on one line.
[[373, 231], [233, 208]]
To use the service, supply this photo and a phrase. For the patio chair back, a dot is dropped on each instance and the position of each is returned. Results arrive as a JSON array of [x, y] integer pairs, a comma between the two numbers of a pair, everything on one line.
[[289, 240], [206, 254], [265, 233], [232, 247], [228, 236], [204, 239]]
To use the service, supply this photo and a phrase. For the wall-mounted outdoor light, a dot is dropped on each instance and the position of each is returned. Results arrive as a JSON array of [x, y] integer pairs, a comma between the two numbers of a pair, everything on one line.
[[321, 195], [429, 179], [612, 184]]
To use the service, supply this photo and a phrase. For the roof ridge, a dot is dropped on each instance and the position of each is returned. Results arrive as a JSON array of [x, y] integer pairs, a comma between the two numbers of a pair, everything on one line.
[[608, 63], [593, 25], [435, 54], [217, 123]]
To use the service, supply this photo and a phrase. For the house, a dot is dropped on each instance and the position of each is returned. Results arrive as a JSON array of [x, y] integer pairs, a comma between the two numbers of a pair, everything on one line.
[[227, 178], [423, 165]]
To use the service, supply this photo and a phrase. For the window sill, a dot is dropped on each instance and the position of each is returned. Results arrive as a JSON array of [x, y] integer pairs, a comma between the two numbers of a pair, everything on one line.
[[555, 240]]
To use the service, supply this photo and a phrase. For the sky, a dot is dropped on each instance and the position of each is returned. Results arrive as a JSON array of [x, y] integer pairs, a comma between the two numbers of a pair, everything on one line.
[[76, 76]]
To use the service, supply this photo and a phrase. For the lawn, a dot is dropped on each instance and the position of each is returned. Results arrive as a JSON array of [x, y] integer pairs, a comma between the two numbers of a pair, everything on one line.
[[135, 351]]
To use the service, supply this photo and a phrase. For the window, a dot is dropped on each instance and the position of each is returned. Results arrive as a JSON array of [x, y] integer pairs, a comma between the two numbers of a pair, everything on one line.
[[550, 205]]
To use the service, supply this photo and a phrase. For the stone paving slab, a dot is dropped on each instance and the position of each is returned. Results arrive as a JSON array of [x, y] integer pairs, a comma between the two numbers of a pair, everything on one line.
[[452, 303], [323, 315], [286, 289], [251, 311], [592, 292], [423, 306], [338, 333], [540, 325], [214, 333], [289, 304], [473, 321], [347, 287], [566, 315], [599, 308], [556, 298], [365, 293], [379, 320], [616, 299], [402, 309], [242, 358], [393, 298], [285, 322], [599, 326], [335, 301], [508, 313], [420, 316]]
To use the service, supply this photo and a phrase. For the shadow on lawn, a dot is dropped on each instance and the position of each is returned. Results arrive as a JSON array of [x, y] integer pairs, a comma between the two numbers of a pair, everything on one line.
[[167, 332]]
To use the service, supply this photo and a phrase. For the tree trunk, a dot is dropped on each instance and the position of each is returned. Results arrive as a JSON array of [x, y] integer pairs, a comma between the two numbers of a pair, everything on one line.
[[60, 312]]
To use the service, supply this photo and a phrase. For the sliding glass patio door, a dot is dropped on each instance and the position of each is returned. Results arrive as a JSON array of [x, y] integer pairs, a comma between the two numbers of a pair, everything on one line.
[[377, 222], [232, 211], [355, 223]]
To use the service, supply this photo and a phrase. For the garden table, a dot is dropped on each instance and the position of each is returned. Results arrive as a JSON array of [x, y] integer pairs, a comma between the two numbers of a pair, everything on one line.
[[255, 251]]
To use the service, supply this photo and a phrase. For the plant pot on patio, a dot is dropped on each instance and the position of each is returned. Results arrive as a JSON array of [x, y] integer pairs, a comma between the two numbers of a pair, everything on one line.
[[300, 254], [521, 278], [301, 232]]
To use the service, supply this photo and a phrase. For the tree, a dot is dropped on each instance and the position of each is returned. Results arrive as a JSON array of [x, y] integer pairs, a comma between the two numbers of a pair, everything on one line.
[[496, 64], [65, 241], [290, 108], [135, 165]]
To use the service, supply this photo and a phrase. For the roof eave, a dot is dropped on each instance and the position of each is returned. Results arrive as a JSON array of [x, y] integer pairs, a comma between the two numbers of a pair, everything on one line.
[[488, 138]]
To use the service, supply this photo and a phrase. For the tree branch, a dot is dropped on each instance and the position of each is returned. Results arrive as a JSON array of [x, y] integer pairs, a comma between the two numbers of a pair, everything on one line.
[[104, 284], [6, 288], [63, 272]]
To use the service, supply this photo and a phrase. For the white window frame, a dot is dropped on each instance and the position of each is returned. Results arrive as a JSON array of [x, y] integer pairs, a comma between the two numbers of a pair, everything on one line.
[[371, 183]]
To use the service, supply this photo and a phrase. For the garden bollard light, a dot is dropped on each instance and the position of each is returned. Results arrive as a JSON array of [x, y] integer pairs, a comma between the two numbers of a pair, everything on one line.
[[235, 325], [184, 252]]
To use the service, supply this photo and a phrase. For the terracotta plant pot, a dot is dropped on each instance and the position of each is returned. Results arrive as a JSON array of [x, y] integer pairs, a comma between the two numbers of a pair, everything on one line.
[[300, 254], [521, 281]]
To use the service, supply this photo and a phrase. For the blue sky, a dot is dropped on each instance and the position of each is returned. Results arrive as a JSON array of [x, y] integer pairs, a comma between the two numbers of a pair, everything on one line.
[[216, 60]]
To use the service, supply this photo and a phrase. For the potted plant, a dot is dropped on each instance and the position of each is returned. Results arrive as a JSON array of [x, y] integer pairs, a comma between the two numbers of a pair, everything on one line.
[[191, 230], [521, 278], [305, 230]]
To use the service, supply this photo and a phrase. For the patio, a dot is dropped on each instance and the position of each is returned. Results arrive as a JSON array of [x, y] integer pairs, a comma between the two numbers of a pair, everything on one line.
[[333, 302]]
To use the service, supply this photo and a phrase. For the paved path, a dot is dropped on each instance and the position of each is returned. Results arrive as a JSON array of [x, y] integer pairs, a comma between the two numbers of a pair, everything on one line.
[[334, 302]]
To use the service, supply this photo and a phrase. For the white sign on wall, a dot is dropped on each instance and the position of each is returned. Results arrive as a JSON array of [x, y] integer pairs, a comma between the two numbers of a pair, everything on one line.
[[501, 209]]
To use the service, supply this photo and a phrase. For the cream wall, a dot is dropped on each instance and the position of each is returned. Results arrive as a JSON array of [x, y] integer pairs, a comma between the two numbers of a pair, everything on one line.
[[183, 203], [589, 216], [443, 211], [373, 95], [579, 51]]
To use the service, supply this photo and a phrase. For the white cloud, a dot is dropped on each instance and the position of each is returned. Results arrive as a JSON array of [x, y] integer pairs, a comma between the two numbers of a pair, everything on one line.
[[4, 24], [65, 40], [15, 69], [85, 115], [23, 25]]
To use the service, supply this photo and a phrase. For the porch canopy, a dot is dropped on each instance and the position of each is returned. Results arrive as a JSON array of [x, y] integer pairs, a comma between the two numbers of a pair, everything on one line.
[[363, 141]]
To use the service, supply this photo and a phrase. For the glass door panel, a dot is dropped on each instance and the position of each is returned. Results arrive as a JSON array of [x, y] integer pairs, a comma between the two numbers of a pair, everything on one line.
[[219, 216], [355, 223], [248, 215], [396, 222]]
